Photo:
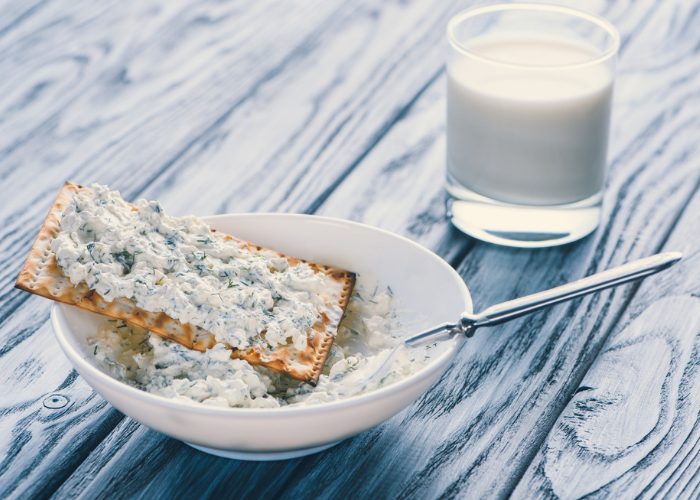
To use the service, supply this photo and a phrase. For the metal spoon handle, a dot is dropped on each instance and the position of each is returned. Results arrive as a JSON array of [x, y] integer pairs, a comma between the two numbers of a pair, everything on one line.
[[512, 309], [612, 277]]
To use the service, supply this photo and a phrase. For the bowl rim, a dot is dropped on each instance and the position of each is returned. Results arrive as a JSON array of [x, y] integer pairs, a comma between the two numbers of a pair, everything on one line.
[[78, 358]]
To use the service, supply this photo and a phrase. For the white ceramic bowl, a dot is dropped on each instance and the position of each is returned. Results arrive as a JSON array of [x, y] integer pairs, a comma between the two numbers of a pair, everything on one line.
[[421, 281]]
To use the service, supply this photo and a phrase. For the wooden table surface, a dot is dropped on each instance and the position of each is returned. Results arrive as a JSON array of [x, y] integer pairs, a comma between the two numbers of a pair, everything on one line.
[[337, 107]]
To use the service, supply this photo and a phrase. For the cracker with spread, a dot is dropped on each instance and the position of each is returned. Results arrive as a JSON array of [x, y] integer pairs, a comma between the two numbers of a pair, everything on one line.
[[186, 282]]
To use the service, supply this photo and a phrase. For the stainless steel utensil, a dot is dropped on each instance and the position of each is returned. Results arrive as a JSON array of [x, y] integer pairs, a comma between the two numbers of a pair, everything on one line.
[[512, 309]]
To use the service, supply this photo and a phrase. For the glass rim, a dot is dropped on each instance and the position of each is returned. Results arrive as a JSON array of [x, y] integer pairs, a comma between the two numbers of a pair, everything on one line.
[[534, 7]]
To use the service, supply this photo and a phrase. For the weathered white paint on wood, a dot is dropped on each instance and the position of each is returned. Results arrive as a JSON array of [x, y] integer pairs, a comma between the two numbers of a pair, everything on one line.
[[643, 386], [633, 426], [331, 107], [237, 80]]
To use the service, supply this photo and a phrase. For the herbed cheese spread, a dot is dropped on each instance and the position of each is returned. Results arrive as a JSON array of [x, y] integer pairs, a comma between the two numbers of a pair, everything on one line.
[[178, 266], [366, 338]]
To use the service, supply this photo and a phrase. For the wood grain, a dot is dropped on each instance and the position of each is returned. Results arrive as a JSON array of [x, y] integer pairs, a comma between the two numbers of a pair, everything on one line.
[[368, 453], [632, 427], [42, 455], [131, 136], [127, 114], [338, 108]]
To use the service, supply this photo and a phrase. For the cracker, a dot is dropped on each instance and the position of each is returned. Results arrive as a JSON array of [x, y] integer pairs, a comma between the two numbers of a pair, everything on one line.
[[42, 276]]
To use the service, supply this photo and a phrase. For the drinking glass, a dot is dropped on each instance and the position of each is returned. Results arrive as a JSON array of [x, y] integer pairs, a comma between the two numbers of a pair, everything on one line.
[[529, 90]]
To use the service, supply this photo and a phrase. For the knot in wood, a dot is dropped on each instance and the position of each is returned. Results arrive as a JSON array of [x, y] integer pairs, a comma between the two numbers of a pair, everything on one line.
[[55, 402]]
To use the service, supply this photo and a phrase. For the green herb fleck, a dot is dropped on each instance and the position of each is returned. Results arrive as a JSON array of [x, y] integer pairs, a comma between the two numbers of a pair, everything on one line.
[[126, 259]]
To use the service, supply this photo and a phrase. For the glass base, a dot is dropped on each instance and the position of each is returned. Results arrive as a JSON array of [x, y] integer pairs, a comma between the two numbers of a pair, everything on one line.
[[524, 226]]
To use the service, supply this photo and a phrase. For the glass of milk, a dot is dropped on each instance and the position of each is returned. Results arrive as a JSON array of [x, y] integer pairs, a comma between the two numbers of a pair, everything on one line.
[[529, 88]]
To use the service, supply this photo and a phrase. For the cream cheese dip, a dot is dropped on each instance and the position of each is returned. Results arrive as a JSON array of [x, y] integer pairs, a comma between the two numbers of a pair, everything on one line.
[[366, 337], [179, 266]]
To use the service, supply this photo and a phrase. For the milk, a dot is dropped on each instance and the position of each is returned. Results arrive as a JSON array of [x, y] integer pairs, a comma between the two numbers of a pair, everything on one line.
[[534, 136]]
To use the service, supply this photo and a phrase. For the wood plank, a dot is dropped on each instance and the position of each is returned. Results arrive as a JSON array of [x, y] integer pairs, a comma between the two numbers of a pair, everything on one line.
[[509, 386], [378, 183], [633, 425], [142, 142], [475, 431], [497, 396], [124, 116], [21, 331], [334, 108], [184, 463], [44, 450], [183, 471], [414, 433]]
